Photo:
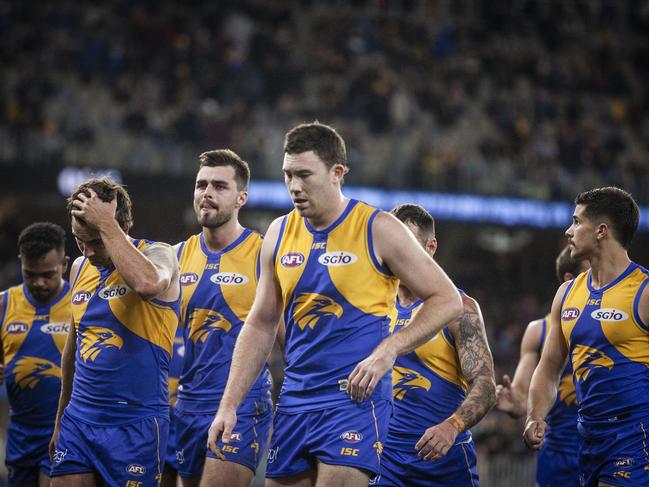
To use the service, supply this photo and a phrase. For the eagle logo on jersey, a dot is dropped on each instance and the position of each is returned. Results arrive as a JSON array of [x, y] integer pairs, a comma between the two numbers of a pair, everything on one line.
[[587, 359], [406, 380], [28, 371], [96, 339], [204, 321], [567, 394], [308, 308]]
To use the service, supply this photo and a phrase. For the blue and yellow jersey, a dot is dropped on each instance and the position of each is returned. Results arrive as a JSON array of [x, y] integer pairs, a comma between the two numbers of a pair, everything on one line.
[[337, 298], [33, 336], [176, 365], [561, 433], [124, 344], [427, 384], [609, 345], [218, 289]]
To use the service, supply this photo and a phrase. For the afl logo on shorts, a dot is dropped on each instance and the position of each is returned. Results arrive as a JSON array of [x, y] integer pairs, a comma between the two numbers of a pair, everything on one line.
[[292, 259], [17, 328], [570, 314], [609, 314], [188, 278], [136, 469], [115, 291], [337, 259], [55, 328], [81, 297], [235, 437], [229, 279], [351, 437]]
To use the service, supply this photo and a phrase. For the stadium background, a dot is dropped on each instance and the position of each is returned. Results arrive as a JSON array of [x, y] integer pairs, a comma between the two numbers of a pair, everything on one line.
[[493, 114]]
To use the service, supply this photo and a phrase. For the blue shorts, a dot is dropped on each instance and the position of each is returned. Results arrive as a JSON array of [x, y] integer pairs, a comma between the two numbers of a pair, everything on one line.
[[615, 454], [122, 455], [400, 465], [246, 447], [351, 435], [170, 455], [557, 469], [27, 452]]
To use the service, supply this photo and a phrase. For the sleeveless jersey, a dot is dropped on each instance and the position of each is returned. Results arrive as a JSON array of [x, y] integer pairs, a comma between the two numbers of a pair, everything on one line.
[[176, 365], [336, 298], [609, 346], [561, 433], [218, 292], [427, 384], [124, 344], [33, 336]]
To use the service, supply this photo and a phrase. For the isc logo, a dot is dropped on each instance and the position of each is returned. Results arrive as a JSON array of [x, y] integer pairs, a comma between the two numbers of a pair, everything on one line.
[[570, 314], [337, 258], [80, 297], [17, 328], [55, 328], [609, 314], [114, 291], [136, 469], [230, 449], [229, 279], [351, 436], [188, 278], [292, 259], [351, 452]]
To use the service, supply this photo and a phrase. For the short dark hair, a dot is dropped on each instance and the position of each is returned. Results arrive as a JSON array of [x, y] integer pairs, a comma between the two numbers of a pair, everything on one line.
[[106, 189], [616, 206], [565, 263], [418, 216], [322, 139], [39, 238], [226, 157]]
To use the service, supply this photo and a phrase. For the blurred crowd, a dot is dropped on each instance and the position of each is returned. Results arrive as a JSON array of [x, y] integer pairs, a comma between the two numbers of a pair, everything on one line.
[[528, 98]]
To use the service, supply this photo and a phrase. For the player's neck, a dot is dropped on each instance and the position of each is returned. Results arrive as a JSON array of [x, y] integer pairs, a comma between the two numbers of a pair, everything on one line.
[[216, 239], [406, 298], [607, 266], [330, 213]]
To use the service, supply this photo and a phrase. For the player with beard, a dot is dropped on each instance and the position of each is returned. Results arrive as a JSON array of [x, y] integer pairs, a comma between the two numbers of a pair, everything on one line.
[[34, 321], [219, 272]]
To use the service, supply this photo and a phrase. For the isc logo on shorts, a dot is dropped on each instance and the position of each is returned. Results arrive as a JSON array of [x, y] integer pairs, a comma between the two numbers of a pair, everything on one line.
[[55, 328], [17, 328], [570, 314], [188, 278], [136, 469], [80, 297], [115, 291], [292, 259], [337, 259], [351, 436], [229, 279], [609, 314]]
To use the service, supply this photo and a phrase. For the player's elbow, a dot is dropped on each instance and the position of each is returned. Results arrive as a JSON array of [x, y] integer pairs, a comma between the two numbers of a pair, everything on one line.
[[455, 306], [150, 288]]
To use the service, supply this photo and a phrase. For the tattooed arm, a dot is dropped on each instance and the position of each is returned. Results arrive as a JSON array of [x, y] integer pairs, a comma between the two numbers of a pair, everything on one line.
[[477, 367]]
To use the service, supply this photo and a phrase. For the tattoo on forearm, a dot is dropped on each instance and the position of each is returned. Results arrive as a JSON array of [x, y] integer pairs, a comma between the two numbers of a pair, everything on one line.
[[478, 369]]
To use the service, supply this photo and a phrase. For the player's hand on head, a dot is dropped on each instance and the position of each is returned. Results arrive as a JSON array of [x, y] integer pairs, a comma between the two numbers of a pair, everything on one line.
[[367, 374], [221, 430], [436, 441], [93, 210], [534, 433]]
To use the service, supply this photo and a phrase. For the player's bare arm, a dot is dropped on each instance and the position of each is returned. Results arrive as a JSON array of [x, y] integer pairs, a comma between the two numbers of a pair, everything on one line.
[[643, 305], [477, 367], [254, 344], [545, 380], [149, 275], [512, 395], [397, 248]]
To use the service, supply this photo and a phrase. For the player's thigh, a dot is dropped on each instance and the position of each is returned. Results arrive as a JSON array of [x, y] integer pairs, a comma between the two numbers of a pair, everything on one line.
[[43, 480], [76, 480], [217, 472], [169, 477], [190, 481], [341, 476], [302, 479]]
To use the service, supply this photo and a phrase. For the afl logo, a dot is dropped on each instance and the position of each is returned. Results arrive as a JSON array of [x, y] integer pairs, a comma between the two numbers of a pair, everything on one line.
[[292, 259], [570, 314], [17, 328], [229, 279], [55, 328], [337, 259], [80, 297], [235, 437], [136, 469], [113, 292], [609, 314], [351, 437], [188, 278]]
